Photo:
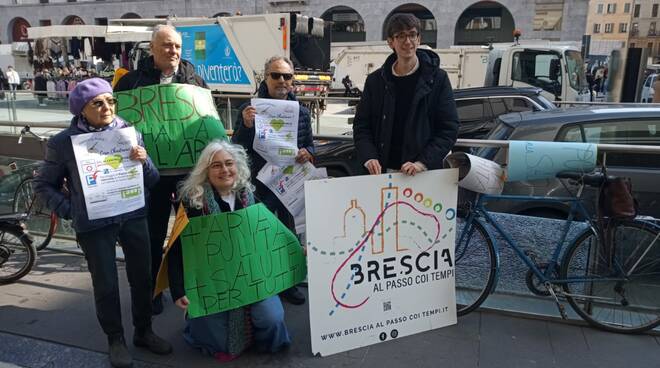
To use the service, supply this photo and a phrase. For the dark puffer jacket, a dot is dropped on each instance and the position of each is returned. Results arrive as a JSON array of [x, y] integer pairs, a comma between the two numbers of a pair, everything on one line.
[[147, 75], [60, 163], [245, 136], [432, 125]]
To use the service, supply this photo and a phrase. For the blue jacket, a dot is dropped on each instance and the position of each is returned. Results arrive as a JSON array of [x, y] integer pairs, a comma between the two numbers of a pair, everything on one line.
[[60, 163], [245, 136]]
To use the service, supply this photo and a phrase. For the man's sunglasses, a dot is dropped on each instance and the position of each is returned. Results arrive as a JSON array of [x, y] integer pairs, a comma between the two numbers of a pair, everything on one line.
[[99, 103], [286, 76]]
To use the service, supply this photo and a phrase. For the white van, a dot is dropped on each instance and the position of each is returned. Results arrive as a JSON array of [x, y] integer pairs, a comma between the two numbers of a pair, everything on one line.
[[647, 89]]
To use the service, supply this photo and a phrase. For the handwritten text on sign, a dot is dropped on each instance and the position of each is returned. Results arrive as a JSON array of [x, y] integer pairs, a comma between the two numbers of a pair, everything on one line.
[[238, 258], [176, 121], [530, 160]]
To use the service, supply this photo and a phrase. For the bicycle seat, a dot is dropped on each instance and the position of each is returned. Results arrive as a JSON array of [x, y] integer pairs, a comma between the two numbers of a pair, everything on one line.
[[13, 217], [592, 180]]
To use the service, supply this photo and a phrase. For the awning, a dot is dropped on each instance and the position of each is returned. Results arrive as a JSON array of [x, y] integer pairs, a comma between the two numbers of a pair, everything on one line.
[[66, 31], [127, 34]]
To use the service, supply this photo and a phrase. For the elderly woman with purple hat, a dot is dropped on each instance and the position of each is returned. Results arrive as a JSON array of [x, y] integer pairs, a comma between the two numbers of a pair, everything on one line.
[[93, 107]]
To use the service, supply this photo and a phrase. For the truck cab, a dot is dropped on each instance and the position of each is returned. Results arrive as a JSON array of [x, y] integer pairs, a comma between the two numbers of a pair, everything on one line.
[[557, 70]]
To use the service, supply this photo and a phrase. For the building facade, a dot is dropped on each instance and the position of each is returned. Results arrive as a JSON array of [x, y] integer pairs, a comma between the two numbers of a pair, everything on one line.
[[444, 22], [644, 31]]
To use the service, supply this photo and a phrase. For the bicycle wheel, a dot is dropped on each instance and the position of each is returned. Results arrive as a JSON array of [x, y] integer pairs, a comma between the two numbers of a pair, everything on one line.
[[616, 288], [41, 222], [475, 266], [17, 255]]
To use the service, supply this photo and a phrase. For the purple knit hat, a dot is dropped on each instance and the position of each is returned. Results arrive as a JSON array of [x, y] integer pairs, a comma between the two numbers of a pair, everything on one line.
[[85, 91]]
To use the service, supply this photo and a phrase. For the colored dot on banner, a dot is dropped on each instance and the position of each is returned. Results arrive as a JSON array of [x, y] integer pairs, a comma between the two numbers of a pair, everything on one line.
[[450, 214], [428, 202], [407, 192], [419, 197], [438, 207]]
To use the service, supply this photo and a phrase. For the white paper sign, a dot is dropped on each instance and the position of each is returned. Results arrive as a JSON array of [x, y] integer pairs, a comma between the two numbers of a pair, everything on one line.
[[380, 252], [111, 182], [477, 174], [276, 130], [287, 183]]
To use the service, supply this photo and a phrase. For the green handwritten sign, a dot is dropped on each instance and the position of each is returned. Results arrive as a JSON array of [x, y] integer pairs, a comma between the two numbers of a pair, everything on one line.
[[237, 258], [176, 121]]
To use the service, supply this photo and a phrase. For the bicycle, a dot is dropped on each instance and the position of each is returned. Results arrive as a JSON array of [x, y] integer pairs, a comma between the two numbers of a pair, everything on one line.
[[41, 223], [17, 253], [613, 285]]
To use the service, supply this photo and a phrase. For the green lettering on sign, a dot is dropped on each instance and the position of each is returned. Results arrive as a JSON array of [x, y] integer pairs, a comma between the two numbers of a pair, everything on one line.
[[176, 121], [238, 258]]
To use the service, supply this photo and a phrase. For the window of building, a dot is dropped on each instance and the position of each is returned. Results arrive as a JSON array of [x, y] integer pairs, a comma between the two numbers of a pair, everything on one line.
[[609, 27], [634, 29], [654, 10], [632, 45], [611, 8], [637, 10], [45, 22], [623, 27], [596, 27], [43, 1], [599, 9], [626, 8], [548, 15], [652, 29]]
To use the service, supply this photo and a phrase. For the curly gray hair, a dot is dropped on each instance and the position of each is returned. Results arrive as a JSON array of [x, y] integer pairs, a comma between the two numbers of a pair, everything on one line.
[[192, 189]]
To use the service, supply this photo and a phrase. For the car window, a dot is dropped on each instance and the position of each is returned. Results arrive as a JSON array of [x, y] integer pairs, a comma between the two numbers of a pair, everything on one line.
[[470, 110], [632, 132], [500, 132], [534, 68]]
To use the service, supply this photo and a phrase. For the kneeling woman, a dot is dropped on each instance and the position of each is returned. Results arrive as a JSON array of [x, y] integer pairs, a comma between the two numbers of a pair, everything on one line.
[[220, 182]]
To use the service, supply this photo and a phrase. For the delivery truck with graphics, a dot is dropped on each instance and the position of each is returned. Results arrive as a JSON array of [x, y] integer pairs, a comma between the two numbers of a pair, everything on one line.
[[229, 52], [556, 68]]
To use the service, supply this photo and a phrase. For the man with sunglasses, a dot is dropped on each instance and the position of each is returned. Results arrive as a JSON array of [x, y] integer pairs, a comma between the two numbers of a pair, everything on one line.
[[278, 84], [163, 67], [406, 120]]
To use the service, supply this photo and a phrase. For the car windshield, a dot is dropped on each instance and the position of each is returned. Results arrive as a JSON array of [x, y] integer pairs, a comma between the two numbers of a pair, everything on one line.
[[501, 132], [577, 77]]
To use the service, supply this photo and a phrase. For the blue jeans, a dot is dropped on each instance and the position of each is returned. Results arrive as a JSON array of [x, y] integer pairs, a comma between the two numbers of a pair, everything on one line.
[[209, 333], [99, 248]]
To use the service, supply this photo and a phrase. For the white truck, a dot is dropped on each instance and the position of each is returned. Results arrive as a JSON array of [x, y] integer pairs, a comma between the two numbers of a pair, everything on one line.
[[229, 52], [555, 68]]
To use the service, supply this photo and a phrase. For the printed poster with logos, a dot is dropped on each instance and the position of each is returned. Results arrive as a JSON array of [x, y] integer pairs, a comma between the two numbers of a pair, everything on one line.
[[276, 130], [380, 253], [112, 183]]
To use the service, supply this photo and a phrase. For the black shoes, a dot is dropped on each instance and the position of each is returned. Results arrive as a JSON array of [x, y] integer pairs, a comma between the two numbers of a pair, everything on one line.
[[119, 355], [157, 305], [149, 340], [293, 296]]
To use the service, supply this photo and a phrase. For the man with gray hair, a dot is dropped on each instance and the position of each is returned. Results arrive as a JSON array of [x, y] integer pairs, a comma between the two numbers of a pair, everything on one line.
[[164, 66], [277, 84]]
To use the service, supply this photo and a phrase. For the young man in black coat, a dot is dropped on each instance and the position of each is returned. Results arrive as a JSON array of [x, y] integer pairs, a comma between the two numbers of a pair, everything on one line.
[[406, 120]]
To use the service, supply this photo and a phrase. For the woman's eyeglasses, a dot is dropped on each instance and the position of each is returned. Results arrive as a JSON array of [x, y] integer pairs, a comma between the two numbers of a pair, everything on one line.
[[286, 76], [99, 103]]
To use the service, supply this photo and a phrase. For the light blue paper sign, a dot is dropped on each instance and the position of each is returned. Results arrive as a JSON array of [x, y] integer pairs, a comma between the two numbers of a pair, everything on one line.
[[208, 49], [530, 160]]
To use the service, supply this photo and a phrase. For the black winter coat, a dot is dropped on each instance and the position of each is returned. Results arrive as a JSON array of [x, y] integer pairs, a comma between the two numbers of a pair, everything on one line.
[[432, 125], [147, 75], [245, 136]]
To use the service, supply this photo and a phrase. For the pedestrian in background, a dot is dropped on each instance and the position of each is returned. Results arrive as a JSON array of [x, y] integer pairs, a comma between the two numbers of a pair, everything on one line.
[[406, 119], [93, 107], [14, 80]]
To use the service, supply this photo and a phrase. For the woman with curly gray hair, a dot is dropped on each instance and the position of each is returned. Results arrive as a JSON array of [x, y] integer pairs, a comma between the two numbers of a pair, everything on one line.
[[220, 182]]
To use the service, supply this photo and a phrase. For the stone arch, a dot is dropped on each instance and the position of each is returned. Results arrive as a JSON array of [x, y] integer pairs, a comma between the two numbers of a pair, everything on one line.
[[72, 20], [347, 24], [222, 14], [17, 30], [429, 24], [484, 22], [131, 15]]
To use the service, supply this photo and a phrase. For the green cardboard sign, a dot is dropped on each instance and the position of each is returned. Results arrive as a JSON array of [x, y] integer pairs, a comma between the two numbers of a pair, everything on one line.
[[238, 258], [176, 121]]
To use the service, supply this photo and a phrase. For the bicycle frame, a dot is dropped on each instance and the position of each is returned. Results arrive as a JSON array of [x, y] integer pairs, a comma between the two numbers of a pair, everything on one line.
[[576, 207]]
